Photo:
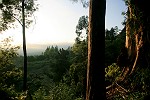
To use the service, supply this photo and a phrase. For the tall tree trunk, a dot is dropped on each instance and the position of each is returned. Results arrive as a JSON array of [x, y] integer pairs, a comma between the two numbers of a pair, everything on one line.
[[96, 41], [24, 49], [128, 42], [137, 33], [137, 45]]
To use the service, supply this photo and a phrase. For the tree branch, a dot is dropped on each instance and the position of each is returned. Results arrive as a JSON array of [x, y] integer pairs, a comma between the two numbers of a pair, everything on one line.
[[17, 20]]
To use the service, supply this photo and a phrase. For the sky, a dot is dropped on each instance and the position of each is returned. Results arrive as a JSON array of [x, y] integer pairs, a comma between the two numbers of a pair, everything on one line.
[[56, 22], [114, 17]]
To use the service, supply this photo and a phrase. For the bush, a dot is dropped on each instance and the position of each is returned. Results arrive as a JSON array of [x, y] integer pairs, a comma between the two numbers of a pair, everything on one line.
[[10, 75], [112, 72]]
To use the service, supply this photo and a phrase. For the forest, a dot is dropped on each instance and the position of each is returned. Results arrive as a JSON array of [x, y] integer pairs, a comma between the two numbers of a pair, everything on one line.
[[57, 73], [62, 74]]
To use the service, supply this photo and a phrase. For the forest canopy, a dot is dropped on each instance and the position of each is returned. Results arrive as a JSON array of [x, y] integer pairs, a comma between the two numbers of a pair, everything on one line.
[[61, 74]]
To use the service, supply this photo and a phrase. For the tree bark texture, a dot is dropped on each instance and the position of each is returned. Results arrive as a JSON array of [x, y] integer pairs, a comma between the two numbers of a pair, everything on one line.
[[96, 41], [138, 34]]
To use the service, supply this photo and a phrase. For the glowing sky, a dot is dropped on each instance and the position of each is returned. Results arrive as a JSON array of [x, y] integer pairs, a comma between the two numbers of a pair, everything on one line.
[[56, 21]]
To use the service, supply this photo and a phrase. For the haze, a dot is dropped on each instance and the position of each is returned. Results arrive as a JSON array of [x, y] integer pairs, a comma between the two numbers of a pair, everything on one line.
[[56, 22]]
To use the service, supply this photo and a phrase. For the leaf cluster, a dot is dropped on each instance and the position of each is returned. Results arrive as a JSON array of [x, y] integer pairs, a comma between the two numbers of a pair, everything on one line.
[[85, 3], [11, 11], [11, 76], [112, 72], [114, 41]]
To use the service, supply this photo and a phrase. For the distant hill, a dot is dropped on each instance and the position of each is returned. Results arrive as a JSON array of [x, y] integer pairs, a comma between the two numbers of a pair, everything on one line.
[[37, 49]]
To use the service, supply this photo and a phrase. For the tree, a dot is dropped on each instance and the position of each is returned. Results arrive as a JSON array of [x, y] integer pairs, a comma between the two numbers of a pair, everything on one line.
[[13, 10], [81, 28], [136, 50], [96, 35], [114, 41], [24, 47], [85, 3], [10, 75], [111, 34], [137, 35]]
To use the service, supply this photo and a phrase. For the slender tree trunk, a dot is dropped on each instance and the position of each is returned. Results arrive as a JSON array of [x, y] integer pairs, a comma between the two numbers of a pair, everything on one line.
[[24, 49], [96, 41]]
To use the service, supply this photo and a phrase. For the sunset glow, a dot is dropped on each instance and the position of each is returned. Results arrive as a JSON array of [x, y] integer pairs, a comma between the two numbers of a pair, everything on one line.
[[55, 22]]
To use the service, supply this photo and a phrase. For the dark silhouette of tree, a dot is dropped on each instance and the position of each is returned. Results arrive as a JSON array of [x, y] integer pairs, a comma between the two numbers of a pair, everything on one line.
[[136, 58], [137, 34], [96, 40], [24, 48], [96, 67], [13, 10]]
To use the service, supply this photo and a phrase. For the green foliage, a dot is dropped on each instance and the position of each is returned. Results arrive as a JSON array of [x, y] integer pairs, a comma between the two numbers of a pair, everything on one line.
[[46, 70], [80, 51], [11, 11], [113, 44], [77, 72], [73, 84], [40, 94], [82, 29], [51, 52], [85, 3], [137, 84], [112, 72], [140, 80], [59, 61], [11, 76], [61, 74], [64, 92], [111, 34]]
